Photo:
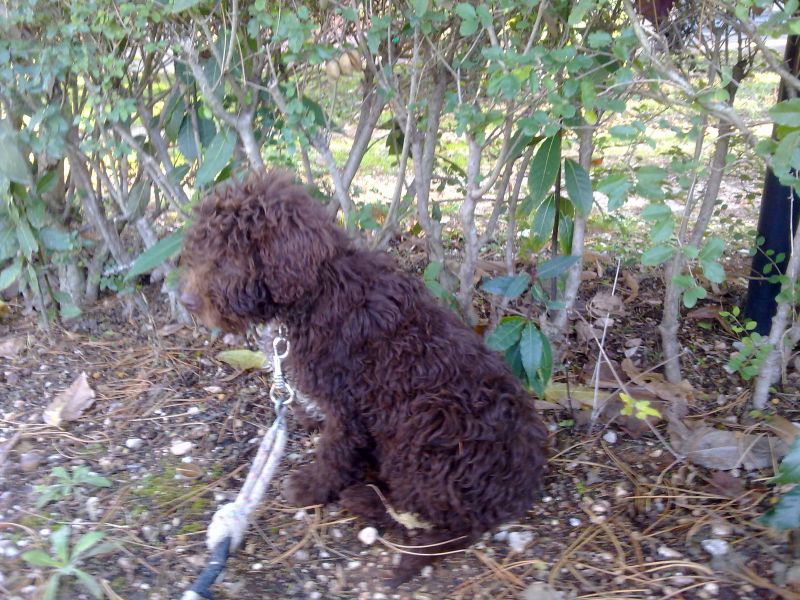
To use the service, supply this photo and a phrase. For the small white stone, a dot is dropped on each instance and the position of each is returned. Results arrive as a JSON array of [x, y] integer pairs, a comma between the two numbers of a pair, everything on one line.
[[666, 552], [193, 410], [301, 555], [427, 571], [368, 536], [711, 588], [610, 437], [256, 567], [721, 529], [518, 540], [213, 389], [715, 547], [500, 536], [574, 522], [300, 515], [599, 508], [315, 595], [353, 564], [93, 508], [134, 443], [180, 447]]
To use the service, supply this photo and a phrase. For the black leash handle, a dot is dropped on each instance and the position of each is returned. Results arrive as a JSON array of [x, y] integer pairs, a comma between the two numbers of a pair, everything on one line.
[[216, 563]]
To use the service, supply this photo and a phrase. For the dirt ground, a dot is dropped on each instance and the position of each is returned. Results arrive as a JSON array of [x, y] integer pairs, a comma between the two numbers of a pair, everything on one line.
[[621, 515]]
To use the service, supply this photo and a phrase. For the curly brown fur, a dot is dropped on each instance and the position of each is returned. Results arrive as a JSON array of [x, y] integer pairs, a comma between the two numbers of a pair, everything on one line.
[[414, 403]]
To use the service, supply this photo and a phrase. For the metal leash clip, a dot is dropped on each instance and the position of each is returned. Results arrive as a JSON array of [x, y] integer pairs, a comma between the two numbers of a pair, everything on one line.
[[280, 392]]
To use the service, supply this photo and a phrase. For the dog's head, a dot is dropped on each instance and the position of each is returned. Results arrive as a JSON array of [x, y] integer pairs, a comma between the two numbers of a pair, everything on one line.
[[254, 250]]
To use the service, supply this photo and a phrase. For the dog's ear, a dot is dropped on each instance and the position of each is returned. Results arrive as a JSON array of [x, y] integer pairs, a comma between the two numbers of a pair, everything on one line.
[[294, 237]]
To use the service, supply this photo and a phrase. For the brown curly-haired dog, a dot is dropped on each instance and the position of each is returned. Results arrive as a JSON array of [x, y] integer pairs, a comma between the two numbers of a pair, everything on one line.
[[419, 414]]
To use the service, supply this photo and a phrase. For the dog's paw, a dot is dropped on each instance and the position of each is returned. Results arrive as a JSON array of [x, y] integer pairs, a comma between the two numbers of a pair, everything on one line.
[[301, 489]]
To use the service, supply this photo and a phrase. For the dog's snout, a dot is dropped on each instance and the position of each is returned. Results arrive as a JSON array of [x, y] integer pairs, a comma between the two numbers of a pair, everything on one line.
[[190, 301]]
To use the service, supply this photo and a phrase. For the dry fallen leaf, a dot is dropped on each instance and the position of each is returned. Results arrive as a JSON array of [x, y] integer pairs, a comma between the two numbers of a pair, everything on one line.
[[655, 383], [726, 484], [170, 329], [723, 449], [604, 303], [71, 403], [243, 359], [633, 286], [785, 429], [11, 347]]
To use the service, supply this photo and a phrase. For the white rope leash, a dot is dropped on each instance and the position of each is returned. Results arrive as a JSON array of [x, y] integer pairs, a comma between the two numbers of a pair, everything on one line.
[[229, 523]]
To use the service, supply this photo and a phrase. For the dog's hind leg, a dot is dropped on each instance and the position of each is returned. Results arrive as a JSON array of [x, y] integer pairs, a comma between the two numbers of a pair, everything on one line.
[[367, 501], [425, 548]]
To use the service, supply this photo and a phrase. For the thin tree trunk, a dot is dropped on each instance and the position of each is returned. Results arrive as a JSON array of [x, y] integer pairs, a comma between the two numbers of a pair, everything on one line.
[[771, 369], [573, 282], [670, 315]]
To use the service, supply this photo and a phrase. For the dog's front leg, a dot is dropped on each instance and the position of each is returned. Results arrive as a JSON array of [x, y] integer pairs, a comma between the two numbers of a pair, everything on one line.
[[339, 463]]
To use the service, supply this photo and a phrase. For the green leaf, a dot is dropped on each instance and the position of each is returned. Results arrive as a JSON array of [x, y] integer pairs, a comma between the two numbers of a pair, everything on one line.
[[55, 240], [39, 558], [420, 7], [540, 382], [786, 113], [692, 295], [182, 5], [514, 361], [507, 333], [243, 359], [96, 480], [713, 271], [579, 187], [10, 274], [712, 250], [579, 11], [47, 182], [598, 39], [543, 219], [544, 168], [27, 241], [661, 231], [138, 198], [156, 254], [217, 155], [657, 255], [51, 589], [555, 266], [85, 542], [649, 180], [13, 164], [432, 271], [519, 141], [789, 471], [61, 473], [656, 211], [90, 583], [69, 310], [59, 541], [615, 186], [530, 349], [320, 118], [785, 514], [469, 19], [509, 286]]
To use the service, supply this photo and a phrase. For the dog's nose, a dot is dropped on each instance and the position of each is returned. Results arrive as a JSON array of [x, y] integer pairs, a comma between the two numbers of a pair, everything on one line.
[[190, 301]]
